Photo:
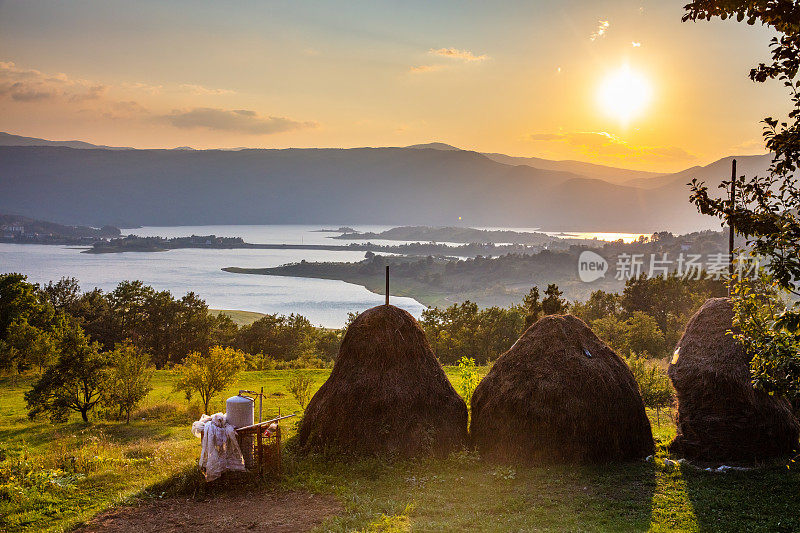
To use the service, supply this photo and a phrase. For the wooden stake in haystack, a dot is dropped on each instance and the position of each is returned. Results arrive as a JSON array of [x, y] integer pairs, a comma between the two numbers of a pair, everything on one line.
[[387, 284]]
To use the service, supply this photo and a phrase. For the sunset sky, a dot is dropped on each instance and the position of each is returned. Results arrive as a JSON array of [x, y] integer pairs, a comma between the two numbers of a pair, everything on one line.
[[522, 78]]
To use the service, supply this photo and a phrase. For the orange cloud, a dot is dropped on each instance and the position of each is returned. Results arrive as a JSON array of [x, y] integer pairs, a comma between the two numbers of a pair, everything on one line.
[[602, 29], [604, 144], [205, 91], [426, 68], [30, 85], [235, 120], [455, 53]]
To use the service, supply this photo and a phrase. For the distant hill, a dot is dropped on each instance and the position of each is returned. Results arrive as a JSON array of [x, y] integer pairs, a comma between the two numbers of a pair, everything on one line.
[[712, 174], [434, 146], [31, 226], [6, 139], [618, 176], [614, 175], [393, 186]]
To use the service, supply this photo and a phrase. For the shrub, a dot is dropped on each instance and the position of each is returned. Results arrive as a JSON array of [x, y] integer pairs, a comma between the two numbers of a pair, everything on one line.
[[300, 387], [128, 379], [166, 411], [654, 385], [209, 374], [469, 378]]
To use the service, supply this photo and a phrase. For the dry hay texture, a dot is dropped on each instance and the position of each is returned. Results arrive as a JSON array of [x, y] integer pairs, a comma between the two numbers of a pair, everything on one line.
[[546, 401], [721, 417], [387, 394]]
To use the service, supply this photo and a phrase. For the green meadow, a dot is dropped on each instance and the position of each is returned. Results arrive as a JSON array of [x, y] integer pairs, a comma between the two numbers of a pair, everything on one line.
[[56, 476]]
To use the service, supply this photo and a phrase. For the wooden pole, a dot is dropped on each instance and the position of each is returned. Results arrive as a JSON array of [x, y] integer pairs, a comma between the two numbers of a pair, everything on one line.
[[387, 284], [730, 226]]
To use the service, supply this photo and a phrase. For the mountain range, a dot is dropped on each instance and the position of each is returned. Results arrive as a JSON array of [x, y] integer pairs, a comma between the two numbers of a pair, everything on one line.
[[78, 183]]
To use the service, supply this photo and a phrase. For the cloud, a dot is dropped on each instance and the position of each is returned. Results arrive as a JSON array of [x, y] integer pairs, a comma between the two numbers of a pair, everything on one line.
[[144, 87], [602, 29], [753, 146], [124, 110], [205, 91], [604, 144], [426, 68], [29, 85], [636, 44], [235, 120], [95, 92], [455, 53]]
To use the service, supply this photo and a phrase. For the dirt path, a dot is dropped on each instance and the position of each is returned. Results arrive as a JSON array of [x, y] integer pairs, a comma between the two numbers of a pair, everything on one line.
[[269, 511]]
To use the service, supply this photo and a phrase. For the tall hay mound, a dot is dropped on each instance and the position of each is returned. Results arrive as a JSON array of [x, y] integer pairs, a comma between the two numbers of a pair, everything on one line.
[[721, 417], [547, 400], [387, 394]]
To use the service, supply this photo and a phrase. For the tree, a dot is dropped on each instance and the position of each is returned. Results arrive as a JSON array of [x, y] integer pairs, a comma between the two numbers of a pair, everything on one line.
[[300, 387], [462, 330], [600, 304], [326, 343], [128, 379], [27, 323], [469, 379], [279, 337], [95, 315], [75, 382], [644, 335], [614, 332], [25, 346], [208, 374], [63, 294], [553, 303], [767, 213], [654, 385], [670, 300], [532, 307], [775, 366]]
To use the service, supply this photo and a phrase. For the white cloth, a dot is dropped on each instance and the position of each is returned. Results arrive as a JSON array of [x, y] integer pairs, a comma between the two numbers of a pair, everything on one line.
[[219, 449]]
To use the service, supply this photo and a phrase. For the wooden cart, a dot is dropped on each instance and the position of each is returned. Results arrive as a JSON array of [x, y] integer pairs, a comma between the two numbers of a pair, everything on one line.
[[266, 446]]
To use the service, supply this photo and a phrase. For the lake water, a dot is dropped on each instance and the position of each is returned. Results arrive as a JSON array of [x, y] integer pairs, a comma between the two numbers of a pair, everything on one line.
[[324, 302]]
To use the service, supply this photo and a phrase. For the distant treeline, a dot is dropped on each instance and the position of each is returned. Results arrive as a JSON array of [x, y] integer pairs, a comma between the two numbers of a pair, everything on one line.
[[504, 280], [34, 318], [645, 319]]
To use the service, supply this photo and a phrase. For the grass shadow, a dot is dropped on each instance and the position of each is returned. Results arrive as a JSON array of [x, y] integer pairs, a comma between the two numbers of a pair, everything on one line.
[[764, 499], [619, 496]]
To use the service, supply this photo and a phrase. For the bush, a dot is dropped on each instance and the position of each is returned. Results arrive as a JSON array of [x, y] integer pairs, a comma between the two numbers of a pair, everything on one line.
[[128, 380], [300, 387], [209, 374], [469, 378], [654, 385], [167, 412]]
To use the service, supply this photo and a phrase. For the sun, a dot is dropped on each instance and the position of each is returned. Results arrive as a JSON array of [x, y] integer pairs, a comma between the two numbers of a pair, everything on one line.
[[624, 94]]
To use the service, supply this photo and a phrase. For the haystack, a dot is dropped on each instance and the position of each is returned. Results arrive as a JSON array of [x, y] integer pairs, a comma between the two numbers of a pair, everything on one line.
[[560, 395], [721, 417], [387, 394]]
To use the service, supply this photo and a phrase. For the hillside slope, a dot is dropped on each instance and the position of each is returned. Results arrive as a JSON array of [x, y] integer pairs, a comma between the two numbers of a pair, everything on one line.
[[393, 186]]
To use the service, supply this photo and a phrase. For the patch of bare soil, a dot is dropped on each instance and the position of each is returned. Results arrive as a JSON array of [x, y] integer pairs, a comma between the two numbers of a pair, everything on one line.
[[281, 512]]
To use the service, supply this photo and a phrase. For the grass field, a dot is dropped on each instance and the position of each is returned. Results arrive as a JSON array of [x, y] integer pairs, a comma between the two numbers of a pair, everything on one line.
[[53, 476], [240, 318]]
